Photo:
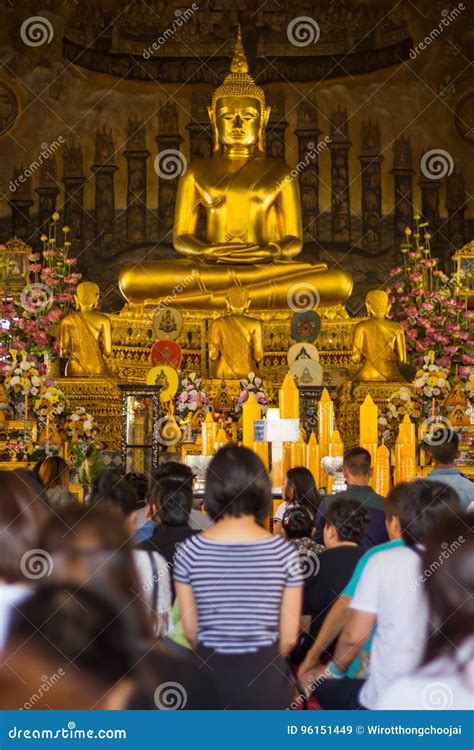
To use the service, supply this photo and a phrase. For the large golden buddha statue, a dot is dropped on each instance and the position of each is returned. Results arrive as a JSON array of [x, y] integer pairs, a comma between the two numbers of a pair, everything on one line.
[[253, 214]]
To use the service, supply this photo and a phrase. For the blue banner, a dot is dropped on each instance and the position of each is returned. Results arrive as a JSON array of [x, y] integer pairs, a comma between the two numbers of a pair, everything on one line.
[[236, 730]]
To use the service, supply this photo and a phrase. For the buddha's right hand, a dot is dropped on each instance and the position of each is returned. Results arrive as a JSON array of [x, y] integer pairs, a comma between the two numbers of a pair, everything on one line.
[[224, 251]]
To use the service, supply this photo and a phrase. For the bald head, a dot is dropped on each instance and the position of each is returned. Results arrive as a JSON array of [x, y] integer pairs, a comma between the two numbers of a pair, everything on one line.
[[377, 302]]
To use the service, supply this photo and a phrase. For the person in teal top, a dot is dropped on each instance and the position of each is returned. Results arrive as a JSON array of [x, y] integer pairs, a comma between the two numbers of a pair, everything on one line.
[[358, 667], [338, 614]]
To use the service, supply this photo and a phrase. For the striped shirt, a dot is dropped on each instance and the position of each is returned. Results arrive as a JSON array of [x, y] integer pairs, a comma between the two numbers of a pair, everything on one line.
[[238, 589]]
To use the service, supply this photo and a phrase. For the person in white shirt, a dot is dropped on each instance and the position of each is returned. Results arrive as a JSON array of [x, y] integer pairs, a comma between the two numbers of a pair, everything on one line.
[[113, 490], [390, 595], [445, 678]]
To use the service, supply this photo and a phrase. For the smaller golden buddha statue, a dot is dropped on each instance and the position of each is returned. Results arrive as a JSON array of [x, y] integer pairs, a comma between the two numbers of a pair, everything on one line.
[[378, 343], [85, 336], [235, 340]]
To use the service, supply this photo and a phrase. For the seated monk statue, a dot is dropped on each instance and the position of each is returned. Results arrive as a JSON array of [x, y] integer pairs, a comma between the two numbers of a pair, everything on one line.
[[378, 343], [85, 336], [253, 218], [235, 340]]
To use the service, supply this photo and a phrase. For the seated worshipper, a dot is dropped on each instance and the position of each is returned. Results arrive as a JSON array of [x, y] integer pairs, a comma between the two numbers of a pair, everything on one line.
[[55, 476], [111, 489], [298, 488], [297, 526], [90, 546], [22, 514], [357, 472], [389, 595], [239, 587], [89, 646], [444, 678], [331, 570], [170, 500], [140, 484], [197, 519], [443, 445], [83, 638], [337, 616]]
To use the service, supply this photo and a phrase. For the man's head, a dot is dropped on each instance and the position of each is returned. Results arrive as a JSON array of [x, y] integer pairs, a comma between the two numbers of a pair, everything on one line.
[[443, 445], [113, 490], [346, 521], [356, 466], [170, 500]]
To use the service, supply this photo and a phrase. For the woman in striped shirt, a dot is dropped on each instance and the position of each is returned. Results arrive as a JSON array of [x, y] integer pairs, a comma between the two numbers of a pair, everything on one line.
[[239, 588]]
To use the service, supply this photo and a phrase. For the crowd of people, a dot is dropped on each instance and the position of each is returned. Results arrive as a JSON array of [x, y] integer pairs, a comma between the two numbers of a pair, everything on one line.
[[141, 599]]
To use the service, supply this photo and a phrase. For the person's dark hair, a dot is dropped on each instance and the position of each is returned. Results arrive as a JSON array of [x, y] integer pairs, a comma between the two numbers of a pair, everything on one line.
[[449, 559], [140, 484], [171, 498], [394, 499], [443, 444], [110, 488], [35, 471], [357, 461], [79, 626], [237, 484], [22, 513], [422, 506], [54, 472], [174, 469], [92, 545], [302, 489], [348, 517], [298, 523]]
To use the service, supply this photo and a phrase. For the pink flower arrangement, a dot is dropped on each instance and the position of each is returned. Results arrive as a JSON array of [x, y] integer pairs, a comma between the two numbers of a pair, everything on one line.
[[422, 299], [42, 303]]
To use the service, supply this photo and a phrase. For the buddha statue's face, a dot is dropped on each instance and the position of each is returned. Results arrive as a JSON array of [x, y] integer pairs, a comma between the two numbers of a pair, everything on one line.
[[238, 120]]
